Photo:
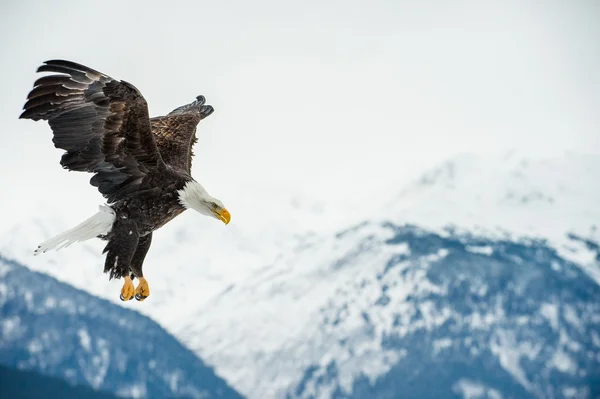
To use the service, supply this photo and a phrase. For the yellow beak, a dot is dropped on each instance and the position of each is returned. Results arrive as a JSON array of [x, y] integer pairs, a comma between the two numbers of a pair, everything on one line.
[[224, 215]]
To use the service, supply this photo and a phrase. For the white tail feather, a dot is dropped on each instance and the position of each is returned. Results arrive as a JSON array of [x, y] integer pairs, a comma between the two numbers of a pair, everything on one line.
[[99, 224]]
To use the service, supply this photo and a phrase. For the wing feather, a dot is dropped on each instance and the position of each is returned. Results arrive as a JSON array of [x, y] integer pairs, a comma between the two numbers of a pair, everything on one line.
[[175, 133], [102, 124]]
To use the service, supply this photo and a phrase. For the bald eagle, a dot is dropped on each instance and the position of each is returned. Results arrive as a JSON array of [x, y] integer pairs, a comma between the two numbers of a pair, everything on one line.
[[141, 165]]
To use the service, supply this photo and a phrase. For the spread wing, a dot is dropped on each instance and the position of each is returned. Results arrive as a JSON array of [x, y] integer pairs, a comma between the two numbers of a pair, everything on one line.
[[101, 123], [175, 133]]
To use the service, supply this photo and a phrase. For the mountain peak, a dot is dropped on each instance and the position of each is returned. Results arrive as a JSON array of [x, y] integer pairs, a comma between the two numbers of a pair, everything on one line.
[[510, 193]]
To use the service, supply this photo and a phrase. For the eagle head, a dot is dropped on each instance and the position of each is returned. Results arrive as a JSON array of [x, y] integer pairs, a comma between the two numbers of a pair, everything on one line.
[[194, 196]]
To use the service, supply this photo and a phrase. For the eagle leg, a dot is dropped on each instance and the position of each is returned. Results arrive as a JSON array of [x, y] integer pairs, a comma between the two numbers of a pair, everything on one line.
[[127, 290], [143, 290], [122, 244]]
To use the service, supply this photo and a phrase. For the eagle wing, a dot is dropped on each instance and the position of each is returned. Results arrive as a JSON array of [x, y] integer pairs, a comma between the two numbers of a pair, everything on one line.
[[175, 133], [101, 123]]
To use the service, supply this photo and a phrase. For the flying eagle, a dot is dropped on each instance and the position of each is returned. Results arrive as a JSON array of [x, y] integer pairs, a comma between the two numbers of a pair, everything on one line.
[[141, 165]]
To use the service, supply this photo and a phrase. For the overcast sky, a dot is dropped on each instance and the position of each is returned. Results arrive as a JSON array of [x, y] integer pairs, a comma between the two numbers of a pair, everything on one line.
[[340, 100]]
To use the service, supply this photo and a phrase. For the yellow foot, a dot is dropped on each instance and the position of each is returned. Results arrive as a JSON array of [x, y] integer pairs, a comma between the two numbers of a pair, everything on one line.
[[127, 290], [143, 290]]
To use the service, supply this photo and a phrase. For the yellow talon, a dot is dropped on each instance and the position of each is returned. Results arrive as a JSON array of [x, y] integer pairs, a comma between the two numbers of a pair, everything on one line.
[[143, 290], [127, 290]]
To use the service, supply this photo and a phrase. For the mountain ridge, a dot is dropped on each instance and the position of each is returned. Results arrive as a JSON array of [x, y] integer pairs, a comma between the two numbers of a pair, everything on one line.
[[401, 301], [63, 332]]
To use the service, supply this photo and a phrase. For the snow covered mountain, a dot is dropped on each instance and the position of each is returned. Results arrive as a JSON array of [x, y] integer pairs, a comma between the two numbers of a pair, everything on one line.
[[508, 195], [59, 331], [481, 276], [390, 311], [469, 302]]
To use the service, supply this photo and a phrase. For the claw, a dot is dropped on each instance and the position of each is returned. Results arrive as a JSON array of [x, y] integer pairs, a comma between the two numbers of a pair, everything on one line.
[[143, 290], [123, 298], [127, 290]]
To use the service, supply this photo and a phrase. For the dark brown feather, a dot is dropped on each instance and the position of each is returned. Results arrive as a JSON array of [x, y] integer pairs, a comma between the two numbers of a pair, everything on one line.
[[175, 133], [101, 123]]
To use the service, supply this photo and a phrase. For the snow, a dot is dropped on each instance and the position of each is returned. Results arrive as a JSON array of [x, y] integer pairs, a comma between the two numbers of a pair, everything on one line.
[[35, 346], [50, 302], [95, 372], [570, 316], [486, 250], [70, 375], [84, 339], [4, 290], [509, 354], [12, 329], [576, 393], [4, 269], [563, 362], [595, 339], [441, 344], [475, 390], [29, 299], [173, 379], [133, 390], [251, 296], [470, 390], [508, 194], [550, 312], [259, 335], [579, 253]]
